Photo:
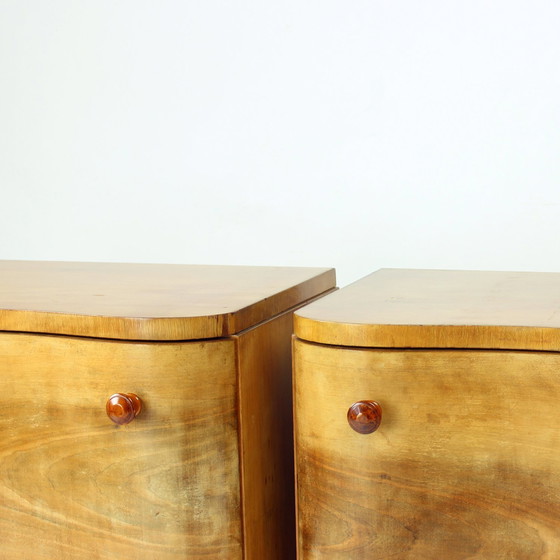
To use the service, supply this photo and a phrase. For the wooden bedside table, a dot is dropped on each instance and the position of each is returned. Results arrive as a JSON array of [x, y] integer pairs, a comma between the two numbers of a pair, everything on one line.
[[204, 470], [426, 418]]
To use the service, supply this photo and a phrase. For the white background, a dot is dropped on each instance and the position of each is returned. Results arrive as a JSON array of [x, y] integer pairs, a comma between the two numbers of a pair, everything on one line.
[[355, 134]]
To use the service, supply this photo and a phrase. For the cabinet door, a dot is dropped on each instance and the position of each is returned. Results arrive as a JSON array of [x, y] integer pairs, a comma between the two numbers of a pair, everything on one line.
[[73, 485], [464, 465]]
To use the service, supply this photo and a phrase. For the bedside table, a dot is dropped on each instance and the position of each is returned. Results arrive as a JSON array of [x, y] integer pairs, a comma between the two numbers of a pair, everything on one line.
[[426, 418], [146, 410]]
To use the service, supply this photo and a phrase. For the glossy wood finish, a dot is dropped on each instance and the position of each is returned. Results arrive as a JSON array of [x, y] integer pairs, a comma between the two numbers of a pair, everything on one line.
[[149, 301], [465, 464], [74, 486], [205, 471], [439, 309], [123, 408], [364, 417], [267, 457]]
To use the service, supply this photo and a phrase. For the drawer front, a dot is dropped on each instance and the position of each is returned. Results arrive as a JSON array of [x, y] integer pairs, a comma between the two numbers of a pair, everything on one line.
[[465, 463], [73, 485]]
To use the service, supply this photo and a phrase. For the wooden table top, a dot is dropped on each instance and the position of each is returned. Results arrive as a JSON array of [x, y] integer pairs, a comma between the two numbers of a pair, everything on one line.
[[149, 301], [439, 309]]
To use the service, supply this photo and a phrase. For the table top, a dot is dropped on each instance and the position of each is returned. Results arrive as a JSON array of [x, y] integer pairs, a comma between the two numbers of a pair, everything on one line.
[[150, 301], [439, 309]]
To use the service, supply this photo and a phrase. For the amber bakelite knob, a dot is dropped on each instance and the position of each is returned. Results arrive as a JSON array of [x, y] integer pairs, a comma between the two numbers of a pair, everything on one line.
[[364, 416], [123, 408]]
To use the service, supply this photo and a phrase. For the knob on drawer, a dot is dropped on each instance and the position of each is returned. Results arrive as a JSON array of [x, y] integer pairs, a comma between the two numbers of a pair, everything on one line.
[[364, 416], [123, 408]]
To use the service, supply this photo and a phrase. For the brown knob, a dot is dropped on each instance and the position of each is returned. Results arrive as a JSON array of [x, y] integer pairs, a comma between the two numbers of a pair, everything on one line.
[[364, 416], [123, 408]]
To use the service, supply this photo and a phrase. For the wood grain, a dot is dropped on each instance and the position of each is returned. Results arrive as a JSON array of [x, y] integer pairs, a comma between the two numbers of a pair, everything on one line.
[[73, 485], [266, 439], [266, 428], [149, 301], [465, 463], [439, 309]]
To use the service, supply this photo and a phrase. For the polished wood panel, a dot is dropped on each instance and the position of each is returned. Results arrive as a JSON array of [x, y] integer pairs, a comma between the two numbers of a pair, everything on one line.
[[465, 465], [266, 439], [439, 309], [75, 486], [267, 466], [149, 301]]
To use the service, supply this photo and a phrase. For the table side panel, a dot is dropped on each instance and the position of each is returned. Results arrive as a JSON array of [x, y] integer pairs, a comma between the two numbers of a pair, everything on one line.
[[266, 428]]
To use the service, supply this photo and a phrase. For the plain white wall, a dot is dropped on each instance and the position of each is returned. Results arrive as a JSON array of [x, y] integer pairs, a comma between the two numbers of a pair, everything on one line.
[[356, 134]]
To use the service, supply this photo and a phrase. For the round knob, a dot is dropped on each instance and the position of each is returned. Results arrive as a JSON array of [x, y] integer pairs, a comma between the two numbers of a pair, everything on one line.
[[364, 416], [123, 408]]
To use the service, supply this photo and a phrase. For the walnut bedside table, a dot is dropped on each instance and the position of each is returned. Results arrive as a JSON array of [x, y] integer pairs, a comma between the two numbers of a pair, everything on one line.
[[427, 418], [193, 365]]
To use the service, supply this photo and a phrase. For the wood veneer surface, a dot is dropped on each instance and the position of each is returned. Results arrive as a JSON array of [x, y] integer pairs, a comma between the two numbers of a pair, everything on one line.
[[73, 485], [149, 301], [266, 440], [464, 466], [439, 309]]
